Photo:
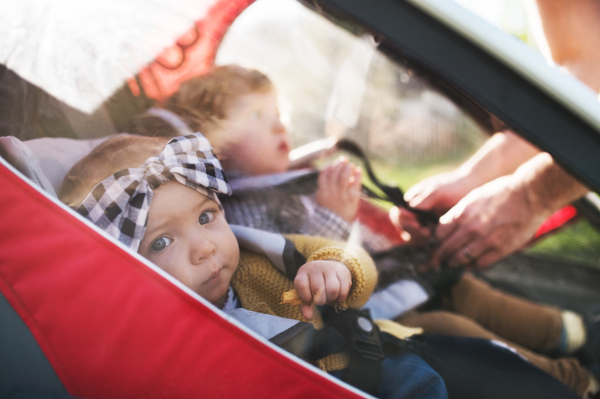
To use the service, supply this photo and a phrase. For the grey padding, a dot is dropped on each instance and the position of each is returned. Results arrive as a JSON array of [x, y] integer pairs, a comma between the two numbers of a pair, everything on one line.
[[46, 161], [56, 156], [24, 160], [265, 325]]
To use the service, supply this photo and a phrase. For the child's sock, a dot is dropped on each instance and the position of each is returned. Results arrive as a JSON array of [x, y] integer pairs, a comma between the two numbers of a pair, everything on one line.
[[573, 333]]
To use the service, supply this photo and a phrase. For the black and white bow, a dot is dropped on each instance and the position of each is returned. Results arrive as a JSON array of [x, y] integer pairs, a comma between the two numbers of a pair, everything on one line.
[[119, 204]]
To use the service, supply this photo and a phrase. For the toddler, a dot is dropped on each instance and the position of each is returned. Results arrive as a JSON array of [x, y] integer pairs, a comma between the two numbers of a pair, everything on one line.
[[167, 210], [237, 109]]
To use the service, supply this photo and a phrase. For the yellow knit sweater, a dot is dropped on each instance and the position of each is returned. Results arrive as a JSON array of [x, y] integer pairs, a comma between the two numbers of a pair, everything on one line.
[[259, 284]]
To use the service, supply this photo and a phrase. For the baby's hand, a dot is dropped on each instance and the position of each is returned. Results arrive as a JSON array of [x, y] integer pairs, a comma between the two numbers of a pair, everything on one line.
[[339, 188], [320, 282]]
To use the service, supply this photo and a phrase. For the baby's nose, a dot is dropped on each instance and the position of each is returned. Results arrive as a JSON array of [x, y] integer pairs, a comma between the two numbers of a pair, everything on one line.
[[279, 127], [202, 249]]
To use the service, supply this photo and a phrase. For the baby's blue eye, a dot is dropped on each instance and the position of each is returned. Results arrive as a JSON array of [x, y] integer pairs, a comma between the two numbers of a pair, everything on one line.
[[161, 244], [206, 217]]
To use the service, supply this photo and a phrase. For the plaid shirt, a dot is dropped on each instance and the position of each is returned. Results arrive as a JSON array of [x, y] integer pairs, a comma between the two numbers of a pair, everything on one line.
[[276, 209]]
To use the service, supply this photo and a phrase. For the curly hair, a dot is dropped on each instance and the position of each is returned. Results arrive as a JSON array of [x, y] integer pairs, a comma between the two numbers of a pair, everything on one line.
[[202, 101]]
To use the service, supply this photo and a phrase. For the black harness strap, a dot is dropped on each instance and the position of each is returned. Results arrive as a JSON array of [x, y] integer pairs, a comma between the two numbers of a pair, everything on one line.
[[292, 259], [354, 331], [297, 340], [391, 194]]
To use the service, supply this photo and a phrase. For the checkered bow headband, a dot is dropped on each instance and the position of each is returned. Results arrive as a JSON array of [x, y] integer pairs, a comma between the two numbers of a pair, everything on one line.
[[119, 204]]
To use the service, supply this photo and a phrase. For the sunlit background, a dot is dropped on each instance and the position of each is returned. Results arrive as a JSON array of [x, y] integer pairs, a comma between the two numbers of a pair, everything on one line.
[[418, 131], [334, 83]]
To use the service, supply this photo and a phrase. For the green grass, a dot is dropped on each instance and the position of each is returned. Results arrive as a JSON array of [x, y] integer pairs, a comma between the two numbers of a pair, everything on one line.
[[406, 176], [579, 242]]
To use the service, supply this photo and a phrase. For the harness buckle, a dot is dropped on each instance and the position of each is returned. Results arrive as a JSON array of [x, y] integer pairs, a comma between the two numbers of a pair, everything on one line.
[[357, 327]]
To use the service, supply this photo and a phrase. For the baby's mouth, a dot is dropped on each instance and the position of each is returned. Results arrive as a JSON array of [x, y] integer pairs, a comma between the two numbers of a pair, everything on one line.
[[214, 276], [284, 147]]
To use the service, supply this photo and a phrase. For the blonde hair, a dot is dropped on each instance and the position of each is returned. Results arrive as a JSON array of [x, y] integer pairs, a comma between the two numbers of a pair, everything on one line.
[[202, 101], [117, 153]]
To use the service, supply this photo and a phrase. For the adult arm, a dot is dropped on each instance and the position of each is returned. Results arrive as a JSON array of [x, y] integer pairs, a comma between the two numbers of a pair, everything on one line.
[[572, 31], [498, 218], [507, 216]]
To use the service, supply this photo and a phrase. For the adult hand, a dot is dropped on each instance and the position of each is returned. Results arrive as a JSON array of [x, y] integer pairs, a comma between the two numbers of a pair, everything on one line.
[[438, 194], [320, 282], [339, 188], [501, 155], [489, 223]]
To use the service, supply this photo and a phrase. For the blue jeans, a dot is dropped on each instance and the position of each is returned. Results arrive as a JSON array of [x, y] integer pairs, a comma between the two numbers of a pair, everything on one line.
[[406, 376]]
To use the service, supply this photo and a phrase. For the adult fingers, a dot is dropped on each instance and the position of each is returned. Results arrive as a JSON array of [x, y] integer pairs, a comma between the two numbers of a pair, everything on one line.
[[453, 237], [448, 223], [414, 191], [488, 258], [409, 222], [470, 252], [499, 245], [427, 200], [394, 215]]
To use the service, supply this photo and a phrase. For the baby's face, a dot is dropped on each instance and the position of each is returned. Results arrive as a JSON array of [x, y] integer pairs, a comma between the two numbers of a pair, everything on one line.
[[187, 236], [259, 143]]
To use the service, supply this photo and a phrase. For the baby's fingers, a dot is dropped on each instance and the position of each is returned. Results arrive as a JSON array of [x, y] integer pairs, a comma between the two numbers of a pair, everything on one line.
[[302, 286], [356, 180], [332, 286], [338, 169], [317, 288], [346, 173], [306, 311], [345, 279], [323, 178]]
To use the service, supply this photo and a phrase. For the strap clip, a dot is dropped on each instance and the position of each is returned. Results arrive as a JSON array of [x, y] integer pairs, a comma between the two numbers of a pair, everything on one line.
[[359, 330]]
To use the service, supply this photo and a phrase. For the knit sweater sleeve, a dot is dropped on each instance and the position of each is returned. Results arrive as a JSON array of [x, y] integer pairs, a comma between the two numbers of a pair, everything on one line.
[[358, 261]]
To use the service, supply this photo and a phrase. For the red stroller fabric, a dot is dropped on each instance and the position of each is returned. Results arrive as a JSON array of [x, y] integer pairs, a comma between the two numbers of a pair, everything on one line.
[[112, 327], [194, 55]]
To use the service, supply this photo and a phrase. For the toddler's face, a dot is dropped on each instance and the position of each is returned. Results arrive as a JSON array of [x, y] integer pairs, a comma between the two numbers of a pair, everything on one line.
[[259, 143], [187, 236]]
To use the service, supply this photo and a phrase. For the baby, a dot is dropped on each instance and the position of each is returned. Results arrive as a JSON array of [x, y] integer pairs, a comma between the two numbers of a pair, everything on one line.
[[165, 233], [167, 210], [237, 109]]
